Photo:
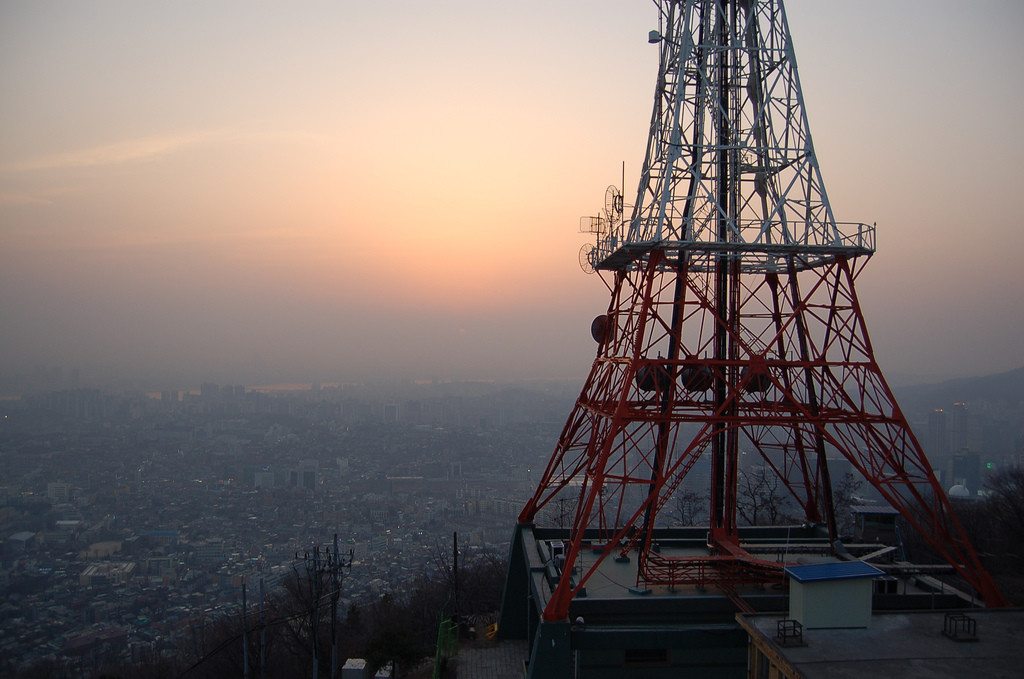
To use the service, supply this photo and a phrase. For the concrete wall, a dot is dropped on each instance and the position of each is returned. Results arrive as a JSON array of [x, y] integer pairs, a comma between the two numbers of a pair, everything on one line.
[[831, 603]]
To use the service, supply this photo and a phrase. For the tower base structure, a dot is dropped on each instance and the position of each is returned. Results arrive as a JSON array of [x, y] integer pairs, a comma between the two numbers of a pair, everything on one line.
[[616, 629], [695, 389]]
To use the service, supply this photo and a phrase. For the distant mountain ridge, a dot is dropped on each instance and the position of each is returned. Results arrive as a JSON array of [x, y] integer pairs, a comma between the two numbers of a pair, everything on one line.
[[1005, 386]]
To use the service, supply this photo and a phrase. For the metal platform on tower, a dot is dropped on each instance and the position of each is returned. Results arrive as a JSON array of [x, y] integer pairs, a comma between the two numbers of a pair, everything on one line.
[[853, 240], [620, 245]]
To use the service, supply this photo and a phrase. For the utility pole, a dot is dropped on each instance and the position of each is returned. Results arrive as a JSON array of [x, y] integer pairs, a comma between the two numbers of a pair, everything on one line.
[[245, 637], [455, 575], [320, 563], [335, 594], [263, 632]]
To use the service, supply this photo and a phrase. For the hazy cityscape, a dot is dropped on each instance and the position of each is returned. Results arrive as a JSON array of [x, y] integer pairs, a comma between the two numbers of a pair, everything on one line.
[[129, 517], [130, 520]]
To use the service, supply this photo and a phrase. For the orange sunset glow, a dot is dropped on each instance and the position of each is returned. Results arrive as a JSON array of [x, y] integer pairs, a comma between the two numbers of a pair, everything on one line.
[[338, 190]]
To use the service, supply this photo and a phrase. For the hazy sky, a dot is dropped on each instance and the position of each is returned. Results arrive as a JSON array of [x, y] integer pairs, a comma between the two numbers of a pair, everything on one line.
[[249, 191]]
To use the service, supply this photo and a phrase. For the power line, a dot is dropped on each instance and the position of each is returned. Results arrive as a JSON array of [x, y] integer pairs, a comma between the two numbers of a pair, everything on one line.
[[271, 623]]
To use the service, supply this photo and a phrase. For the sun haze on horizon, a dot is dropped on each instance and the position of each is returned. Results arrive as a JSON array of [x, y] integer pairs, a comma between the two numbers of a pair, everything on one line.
[[264, 193]]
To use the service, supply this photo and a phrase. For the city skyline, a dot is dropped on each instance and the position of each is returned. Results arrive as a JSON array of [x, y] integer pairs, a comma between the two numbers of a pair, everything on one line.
[[354, 191]]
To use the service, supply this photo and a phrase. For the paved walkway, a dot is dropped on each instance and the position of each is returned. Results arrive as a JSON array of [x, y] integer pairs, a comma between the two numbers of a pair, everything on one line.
[[488, 660]]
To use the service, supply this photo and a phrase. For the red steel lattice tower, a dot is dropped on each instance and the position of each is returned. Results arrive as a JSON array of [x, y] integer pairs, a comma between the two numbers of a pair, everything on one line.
[[734, 326]]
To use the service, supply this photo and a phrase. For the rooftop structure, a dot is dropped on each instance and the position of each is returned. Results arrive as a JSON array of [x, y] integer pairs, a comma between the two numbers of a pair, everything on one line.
[[831, 572], [914, 645], [616, 627], [831, 595]]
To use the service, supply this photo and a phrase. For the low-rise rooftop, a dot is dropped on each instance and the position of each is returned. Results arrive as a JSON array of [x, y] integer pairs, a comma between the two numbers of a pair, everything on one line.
[[898, 644]]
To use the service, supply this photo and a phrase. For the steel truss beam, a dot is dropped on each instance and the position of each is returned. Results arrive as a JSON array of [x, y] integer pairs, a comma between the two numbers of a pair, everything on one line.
[[802, 382]]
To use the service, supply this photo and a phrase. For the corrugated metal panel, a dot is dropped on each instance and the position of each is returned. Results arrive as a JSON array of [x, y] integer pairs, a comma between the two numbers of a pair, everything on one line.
[[840, 570]]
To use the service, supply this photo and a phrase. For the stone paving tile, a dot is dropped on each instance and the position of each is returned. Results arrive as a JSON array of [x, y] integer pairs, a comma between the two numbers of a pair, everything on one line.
[[503, 660]]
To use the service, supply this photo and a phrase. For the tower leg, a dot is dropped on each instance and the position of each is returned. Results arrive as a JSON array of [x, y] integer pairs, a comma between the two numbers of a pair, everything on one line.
[[513, 621]]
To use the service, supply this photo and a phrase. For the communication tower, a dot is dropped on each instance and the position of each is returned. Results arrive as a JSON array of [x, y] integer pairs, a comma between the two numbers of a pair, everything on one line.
[[733, 331]]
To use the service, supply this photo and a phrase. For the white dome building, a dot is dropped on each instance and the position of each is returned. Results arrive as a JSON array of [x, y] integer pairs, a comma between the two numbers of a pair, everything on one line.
[[959, 492]]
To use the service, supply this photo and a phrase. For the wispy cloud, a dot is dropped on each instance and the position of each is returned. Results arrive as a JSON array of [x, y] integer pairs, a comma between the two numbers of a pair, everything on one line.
[[23, 199], [127, 151], [152, 147], [42, 197]]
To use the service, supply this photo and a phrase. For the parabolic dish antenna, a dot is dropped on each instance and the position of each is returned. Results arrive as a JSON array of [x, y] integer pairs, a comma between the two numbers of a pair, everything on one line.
[[587, 258]]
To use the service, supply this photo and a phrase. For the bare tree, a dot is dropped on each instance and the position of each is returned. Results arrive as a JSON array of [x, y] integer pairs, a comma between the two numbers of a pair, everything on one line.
[[996, 526], [1005, 503], [561, 513], [761, 498], [843, 496], [689, 508]]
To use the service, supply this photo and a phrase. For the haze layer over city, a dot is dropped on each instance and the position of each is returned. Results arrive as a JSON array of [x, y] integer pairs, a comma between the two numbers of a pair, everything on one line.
[[348, 191]]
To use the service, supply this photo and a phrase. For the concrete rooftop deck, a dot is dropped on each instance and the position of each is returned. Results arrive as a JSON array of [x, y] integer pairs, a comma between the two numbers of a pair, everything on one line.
[[491, 660], [903, 645]]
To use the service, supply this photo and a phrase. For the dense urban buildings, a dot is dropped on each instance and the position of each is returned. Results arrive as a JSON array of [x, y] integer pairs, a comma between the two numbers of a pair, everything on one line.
[[130, 521]]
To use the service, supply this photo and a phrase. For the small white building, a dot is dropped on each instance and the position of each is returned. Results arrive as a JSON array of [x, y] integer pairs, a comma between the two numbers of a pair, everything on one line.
[[831, 595], [357, 668], [354, 668]]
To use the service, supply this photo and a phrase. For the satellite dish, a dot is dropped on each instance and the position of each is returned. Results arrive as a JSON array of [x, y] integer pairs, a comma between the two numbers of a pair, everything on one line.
[[600, 328], [613, 205], [587, 258]]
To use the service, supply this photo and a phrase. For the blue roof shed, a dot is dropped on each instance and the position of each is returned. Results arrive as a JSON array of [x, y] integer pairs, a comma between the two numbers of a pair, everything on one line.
[[831, 595], [838, 570]]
